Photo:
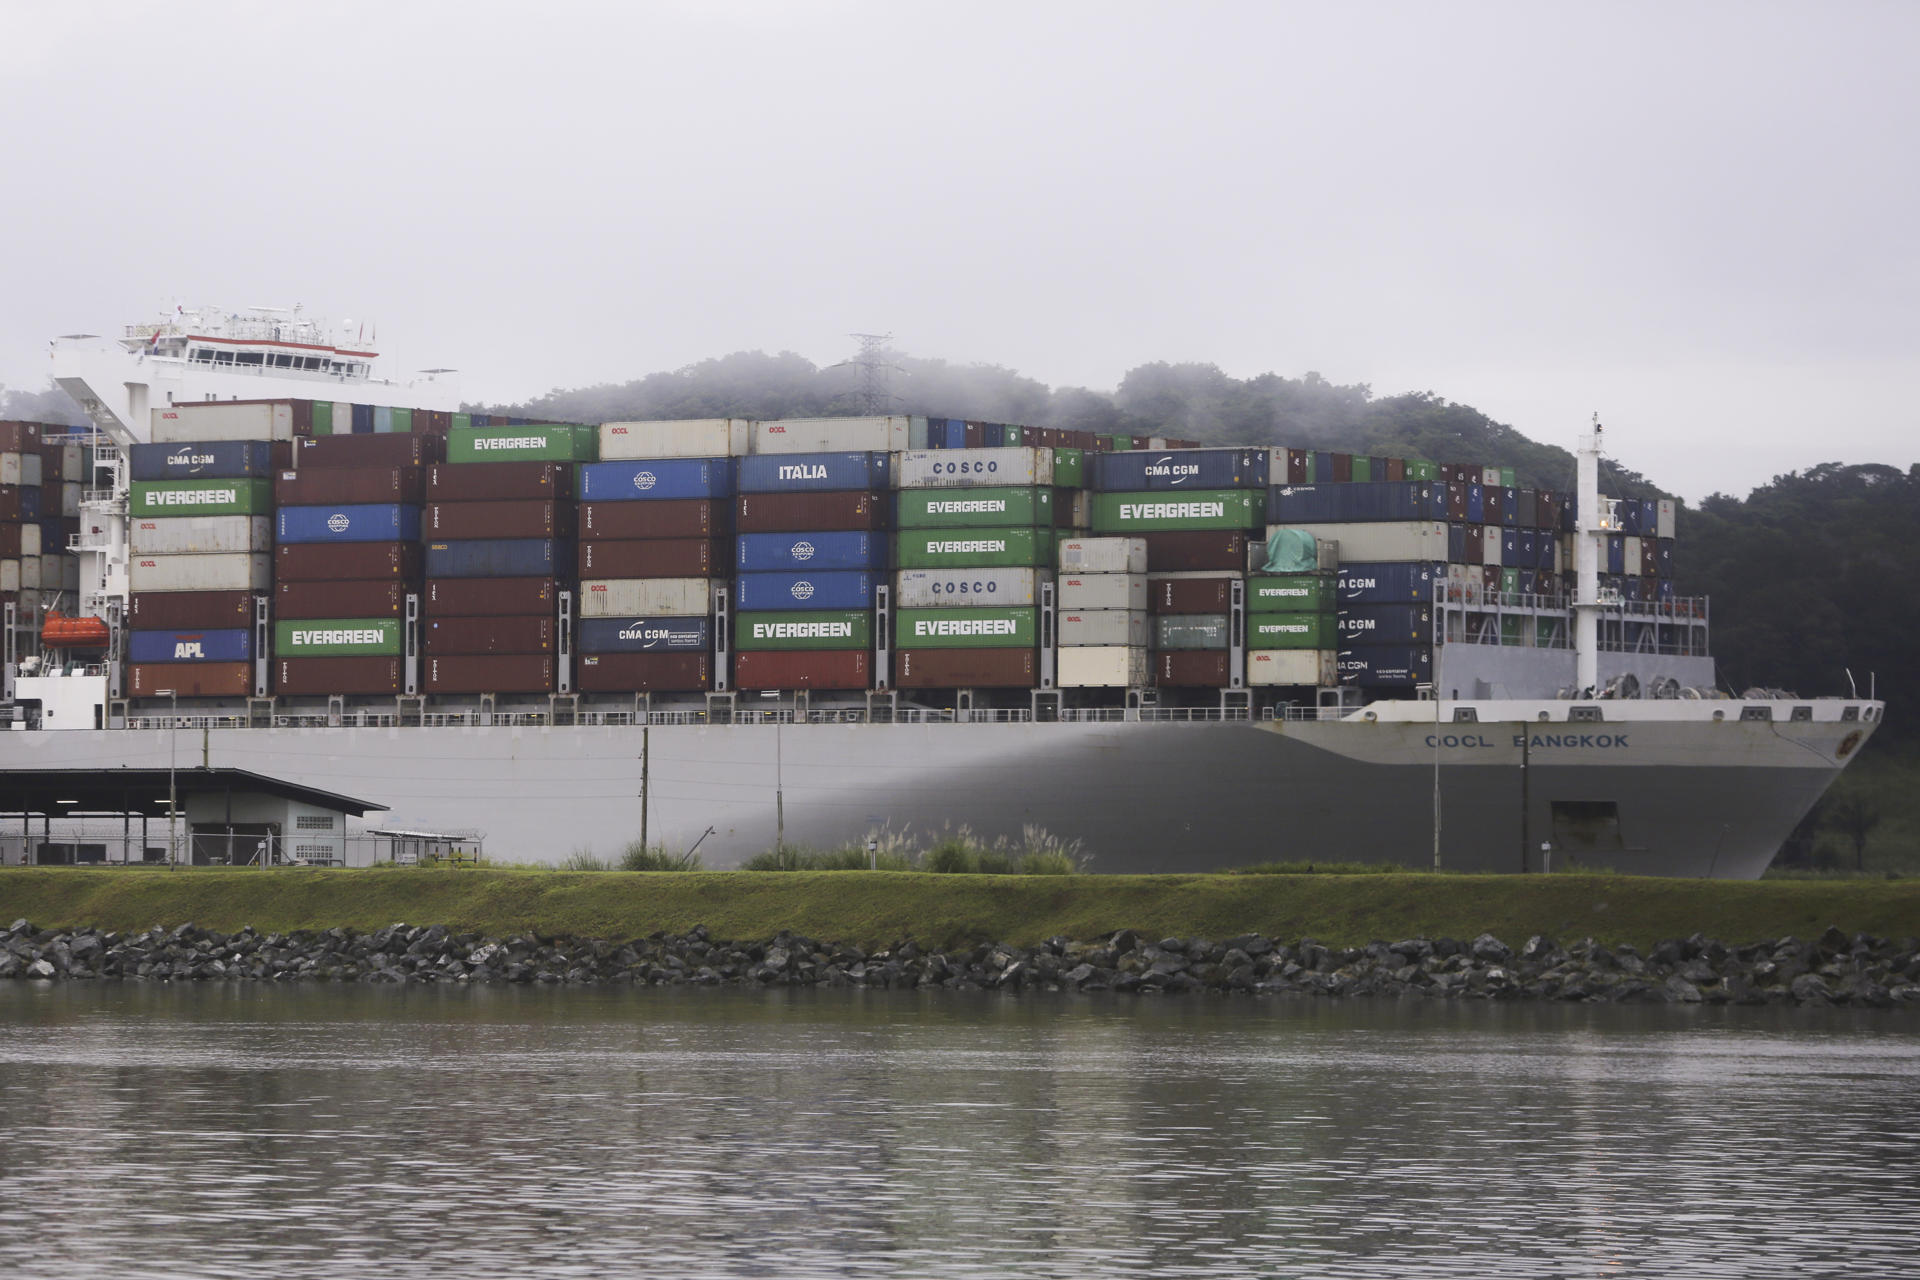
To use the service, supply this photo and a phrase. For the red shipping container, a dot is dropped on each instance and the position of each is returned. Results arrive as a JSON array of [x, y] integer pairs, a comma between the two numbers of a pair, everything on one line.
[[1476, 544], [347, 561], [319, 677], [1396, 470], [19, 437], [500, 482], [10, 502], [496, 673], [456, 637], [973, 433], [1190, 595], [1192, 668], [339, 599], [190, 679], [643, 672], [433, 422], [319, 485], [803, 512], [515, 519], [798, 669], [489, 597], [676, 518], [386, 449], [10, 539], [186, 610], [53, 463], [653, 558], [1297, 466], [1189, 551], [964, 668]]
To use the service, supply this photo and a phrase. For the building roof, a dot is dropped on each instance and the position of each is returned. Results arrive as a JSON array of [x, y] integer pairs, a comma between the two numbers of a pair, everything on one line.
[[62, 793]]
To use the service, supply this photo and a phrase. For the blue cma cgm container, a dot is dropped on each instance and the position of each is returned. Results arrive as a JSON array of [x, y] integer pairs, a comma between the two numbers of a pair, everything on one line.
[[1388, 582], [1138, 470], [1389, 666], [814, 472], [767, 592], [228, 644], [645, 635], [210, 460], [351, 522], [1363, 502], [664, 479], [1375, 624], [501, 558], [774, 552]]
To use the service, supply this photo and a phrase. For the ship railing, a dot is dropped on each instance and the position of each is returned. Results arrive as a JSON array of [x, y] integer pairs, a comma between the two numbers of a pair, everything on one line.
[[189, 720], [1153, 715]]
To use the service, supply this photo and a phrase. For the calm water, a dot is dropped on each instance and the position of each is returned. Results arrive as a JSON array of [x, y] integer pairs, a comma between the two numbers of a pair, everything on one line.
[[250, 1131]]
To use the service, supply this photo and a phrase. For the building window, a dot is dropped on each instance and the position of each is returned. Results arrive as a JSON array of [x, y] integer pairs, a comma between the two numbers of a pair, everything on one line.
[[314, 822]]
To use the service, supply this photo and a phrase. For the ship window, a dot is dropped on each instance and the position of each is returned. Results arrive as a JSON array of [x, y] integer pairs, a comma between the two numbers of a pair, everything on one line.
[[1466, 715], [1587, 714], [1756, 713], [1801, 713], [1850, 713], [1587, 826]]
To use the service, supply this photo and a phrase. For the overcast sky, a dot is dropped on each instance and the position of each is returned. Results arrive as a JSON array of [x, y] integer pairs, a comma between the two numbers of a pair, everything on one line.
[[1697, 219]]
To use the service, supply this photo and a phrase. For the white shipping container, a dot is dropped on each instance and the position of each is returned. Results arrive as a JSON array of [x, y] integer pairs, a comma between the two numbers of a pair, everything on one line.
[[53, 571], [1103, 555], [1016, 466], [70, 573], [1630, 544], [839, 435], [1085, 628], [69, 498], [1082, 510], [382, 420], [32, 469], [1388, 540], [220, 420], [1490, 544], [1102, 590], [237, 571], [684, 438], [10, 468], [27, 603], [941, 588], [9, 575], [201, 535], [1490, 476], [1316, 668], [30, 541], [342, 418], [1102, 668], [645, 597], [1664, 518], [30, 572]]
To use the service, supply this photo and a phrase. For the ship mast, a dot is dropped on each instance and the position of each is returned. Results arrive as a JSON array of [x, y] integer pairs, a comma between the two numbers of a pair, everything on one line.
[[1594, 520]]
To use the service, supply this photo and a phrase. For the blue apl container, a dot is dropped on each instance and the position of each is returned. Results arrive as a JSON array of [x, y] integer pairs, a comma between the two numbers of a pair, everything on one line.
[[350, 522], [645, 635], [1138, 470], [1363, 502], [1372, 624], [665, 479], [767, 592], [1388, 582], [777, 552], [210, 460], [1387, 666], [808, 472], [228, 644], [501, 558]]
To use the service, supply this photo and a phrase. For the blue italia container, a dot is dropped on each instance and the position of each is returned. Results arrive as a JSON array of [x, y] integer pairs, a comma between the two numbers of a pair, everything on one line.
[[350, 522], [501, 558], [1362, 502], [1388, 582], [767, 592], [1389, 666], [209, 460], [1371, 624], [808, 472], [228, 644], [664, 479], [1139, 470], [775, 552], [645, 635]]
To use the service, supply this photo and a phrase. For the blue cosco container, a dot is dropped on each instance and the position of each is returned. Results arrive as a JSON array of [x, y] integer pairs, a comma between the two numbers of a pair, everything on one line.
[[1372, 624], [228, 644], [209, 460], [350, 522], [645, 635], [1388, 582], [501, 558], [665, 479], [766, 592], [802, 472], [775, 552], [1138, 470], [1365, 501], [1392, 666]]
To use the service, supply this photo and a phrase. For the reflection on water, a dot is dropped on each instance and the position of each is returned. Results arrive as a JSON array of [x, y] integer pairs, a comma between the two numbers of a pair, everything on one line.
[[245, 1130]]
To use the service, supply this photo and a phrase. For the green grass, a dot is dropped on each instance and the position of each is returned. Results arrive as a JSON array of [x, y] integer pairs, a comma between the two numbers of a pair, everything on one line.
[[948, 910]]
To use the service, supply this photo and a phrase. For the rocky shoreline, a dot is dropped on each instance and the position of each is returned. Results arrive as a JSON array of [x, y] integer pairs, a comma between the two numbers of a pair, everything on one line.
[[1833, 969]]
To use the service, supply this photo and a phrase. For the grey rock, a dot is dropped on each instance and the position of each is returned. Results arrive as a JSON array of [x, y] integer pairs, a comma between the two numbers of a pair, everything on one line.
[[1811, 989], [40, 969], [1490, 950]]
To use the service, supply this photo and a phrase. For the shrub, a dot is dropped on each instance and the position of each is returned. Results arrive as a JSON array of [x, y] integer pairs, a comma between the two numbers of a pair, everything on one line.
[[638, 857], [585, 860], [1048, 862], [952, 856]]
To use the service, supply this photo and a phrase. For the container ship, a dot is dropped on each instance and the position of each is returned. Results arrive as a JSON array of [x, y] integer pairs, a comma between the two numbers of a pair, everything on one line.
[[738, 634]]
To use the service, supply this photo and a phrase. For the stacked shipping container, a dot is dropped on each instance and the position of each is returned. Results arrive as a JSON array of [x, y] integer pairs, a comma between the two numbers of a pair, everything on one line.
[[1103, 624]]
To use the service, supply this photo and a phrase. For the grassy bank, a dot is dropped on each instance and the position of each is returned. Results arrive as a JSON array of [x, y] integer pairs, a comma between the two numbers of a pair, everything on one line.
[[945, 910]]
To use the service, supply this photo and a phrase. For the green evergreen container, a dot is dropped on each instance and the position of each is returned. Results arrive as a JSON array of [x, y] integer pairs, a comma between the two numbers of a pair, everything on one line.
[[462, 422], [965, 628], [1002, 548], [1292, 631], [1420, 470], [806, 629], [1190, 631], [1507, 478], [322, 423], [1290, 593], [403, 420], [1069, 468], [337, 638], [1362, 470], [973, 508], [1511, 631], [1510, 581], [543, 442], [149, 498], [1202, 509]]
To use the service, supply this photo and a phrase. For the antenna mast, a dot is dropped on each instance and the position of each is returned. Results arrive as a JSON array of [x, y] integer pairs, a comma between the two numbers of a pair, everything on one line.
[[876, 392]]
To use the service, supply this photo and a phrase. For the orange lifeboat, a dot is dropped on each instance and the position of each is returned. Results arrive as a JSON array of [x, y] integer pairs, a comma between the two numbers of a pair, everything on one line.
[[62, 632]]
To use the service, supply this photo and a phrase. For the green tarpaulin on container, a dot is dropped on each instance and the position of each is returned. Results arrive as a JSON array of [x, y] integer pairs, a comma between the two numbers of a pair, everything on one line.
[[1291, 551]]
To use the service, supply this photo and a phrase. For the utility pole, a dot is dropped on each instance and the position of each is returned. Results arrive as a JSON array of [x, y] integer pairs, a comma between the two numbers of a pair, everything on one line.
[[779, 793], [645, 731], [876, 394]]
